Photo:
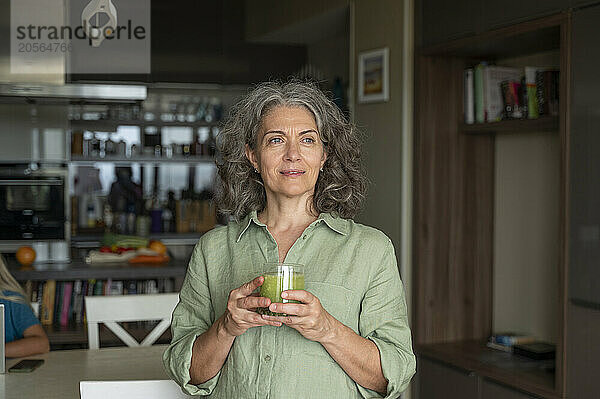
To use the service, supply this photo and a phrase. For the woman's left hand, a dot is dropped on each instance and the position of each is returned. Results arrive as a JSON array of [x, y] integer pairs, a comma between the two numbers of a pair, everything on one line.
[[308, 317]]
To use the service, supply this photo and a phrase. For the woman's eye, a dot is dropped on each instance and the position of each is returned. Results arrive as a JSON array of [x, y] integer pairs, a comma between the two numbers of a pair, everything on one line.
[[275, 140], [308, 140]]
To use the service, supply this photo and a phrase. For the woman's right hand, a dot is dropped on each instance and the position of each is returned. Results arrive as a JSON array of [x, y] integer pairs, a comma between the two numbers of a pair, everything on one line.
[[240, 315]]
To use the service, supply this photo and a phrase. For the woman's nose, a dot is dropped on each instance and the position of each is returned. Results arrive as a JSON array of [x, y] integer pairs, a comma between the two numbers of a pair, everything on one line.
[[292, 152]]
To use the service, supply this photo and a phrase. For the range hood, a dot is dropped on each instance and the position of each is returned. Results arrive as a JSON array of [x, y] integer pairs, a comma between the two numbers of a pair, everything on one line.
[[87, 92]]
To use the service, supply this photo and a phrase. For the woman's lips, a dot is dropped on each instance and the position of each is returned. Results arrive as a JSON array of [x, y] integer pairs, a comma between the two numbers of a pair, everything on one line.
[[292, 172]]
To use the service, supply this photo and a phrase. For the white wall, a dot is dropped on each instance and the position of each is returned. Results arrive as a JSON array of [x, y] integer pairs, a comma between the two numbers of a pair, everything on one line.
[[526, 234]]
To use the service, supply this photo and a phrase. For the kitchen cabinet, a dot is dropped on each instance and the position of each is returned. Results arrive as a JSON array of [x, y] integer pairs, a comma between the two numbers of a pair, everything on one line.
[[15, 121], [584, 274], [437, 380], [33, 132], [444, 20], [501, 13], [580, 3], [471, 212], [491, 390], [584, 352]]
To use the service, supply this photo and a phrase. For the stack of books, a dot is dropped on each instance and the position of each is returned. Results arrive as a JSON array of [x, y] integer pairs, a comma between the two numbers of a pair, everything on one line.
[[507, 341], [493, 93]]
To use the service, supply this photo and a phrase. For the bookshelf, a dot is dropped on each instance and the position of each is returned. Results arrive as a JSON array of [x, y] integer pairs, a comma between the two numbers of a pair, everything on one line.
[[73, 334], [481, 192], [517, 126]]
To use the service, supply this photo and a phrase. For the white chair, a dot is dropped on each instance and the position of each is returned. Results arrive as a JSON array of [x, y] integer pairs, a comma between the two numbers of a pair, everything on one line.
[[113, 309], [159, 389]]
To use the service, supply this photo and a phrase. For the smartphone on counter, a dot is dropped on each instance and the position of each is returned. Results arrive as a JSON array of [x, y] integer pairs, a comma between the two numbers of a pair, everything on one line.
[[26, 366]]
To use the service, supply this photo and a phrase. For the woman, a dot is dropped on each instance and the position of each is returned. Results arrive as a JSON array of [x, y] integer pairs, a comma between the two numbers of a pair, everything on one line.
[[290, 178], [24, 336]]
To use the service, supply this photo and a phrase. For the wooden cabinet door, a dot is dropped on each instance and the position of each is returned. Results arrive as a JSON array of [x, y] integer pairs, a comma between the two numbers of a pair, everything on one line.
[[584, 192], [501, 13], [444, 20], [437, 380], [583, 352], [579, 3], [491, 390]]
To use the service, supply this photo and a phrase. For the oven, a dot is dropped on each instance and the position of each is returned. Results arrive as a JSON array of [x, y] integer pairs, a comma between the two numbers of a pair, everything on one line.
[[33, 205]]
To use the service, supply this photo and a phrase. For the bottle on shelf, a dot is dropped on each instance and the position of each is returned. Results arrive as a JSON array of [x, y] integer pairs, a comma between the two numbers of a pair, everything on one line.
[[91, 215], [171, 207], [167, 219], [155, 216], [108, 217], [130, 227]]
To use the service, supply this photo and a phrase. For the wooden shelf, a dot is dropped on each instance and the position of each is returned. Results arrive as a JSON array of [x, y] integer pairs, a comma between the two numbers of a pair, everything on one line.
[[544, 124], [95, 240], [78, 270], [111, 125], [541, 34], [77, 160], [535, 377]]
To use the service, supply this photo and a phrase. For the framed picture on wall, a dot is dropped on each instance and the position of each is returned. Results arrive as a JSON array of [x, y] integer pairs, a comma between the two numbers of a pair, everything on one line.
[[373, 76]]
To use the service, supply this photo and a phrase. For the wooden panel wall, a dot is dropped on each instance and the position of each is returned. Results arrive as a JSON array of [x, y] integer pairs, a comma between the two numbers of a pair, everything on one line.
[[454, 183]]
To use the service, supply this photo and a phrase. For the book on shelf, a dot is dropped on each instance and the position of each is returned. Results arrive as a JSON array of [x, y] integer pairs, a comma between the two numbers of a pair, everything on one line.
[[47, 309], [478, 92], [511, 339], [531, 92], [469, 97], [58, 302], [512, 97], [547, 90], [77, 301], [503, 348], [67, 292]]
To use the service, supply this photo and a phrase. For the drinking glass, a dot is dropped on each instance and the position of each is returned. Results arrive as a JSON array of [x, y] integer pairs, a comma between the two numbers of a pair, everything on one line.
[[280, 277]]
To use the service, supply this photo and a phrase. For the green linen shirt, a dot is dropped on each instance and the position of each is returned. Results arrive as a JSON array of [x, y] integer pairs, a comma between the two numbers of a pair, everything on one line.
[[350, 267]]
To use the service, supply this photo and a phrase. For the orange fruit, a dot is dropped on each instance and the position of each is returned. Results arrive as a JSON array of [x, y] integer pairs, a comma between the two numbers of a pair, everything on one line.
[[25, 255], [158, 247]]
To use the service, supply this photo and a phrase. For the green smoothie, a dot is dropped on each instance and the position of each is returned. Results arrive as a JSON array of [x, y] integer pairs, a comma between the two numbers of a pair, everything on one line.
[[277, 282]]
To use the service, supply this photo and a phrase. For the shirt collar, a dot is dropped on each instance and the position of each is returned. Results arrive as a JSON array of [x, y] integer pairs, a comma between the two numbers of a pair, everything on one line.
[[335, 223]]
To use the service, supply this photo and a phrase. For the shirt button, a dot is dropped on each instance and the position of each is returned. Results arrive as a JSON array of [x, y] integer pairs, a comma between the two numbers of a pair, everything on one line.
[[304, 238], [267, 358]]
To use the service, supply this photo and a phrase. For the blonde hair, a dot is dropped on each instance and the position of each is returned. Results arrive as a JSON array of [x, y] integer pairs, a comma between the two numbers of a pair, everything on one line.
[[8, 283]]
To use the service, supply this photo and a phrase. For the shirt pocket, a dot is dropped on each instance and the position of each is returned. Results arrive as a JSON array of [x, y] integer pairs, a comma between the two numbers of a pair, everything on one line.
[[335, 299]]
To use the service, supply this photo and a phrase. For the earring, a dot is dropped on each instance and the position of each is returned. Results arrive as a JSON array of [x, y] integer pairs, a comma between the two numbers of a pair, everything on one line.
[[256, 170], [321, 169]]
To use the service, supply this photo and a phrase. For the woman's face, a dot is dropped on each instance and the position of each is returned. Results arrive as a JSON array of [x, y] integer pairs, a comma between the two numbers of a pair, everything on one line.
[[289, 152]]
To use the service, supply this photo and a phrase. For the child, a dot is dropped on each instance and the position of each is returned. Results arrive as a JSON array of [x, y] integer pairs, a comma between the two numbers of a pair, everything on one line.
[[23, 333]]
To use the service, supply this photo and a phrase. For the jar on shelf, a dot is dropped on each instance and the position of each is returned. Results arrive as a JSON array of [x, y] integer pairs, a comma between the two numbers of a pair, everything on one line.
[[110, 147], [121, 149], [94, 147]]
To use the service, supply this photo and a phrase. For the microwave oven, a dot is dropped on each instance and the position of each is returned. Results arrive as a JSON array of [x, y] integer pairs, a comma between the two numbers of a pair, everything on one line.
[[33, 205]]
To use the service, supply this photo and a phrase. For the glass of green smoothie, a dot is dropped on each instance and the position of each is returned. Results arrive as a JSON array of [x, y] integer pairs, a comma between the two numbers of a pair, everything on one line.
[[280, 277]]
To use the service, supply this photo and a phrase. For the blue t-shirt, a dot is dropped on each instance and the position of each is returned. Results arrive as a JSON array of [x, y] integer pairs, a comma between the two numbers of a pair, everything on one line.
[[18, 317]]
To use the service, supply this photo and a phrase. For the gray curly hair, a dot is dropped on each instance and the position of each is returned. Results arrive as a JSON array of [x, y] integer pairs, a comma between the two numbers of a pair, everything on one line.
[[340, 187]]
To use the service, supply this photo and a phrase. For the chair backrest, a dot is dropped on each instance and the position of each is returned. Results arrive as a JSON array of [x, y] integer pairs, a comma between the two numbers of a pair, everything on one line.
[[159, 389], [110, 310]]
